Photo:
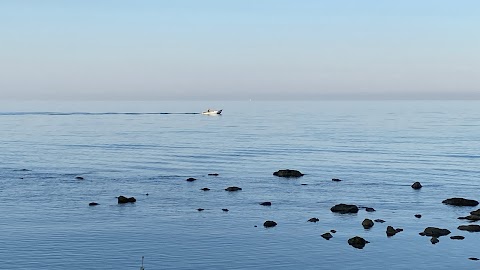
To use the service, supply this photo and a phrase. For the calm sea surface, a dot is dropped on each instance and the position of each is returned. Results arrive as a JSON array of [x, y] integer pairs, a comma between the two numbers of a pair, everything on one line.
[[377, 148]]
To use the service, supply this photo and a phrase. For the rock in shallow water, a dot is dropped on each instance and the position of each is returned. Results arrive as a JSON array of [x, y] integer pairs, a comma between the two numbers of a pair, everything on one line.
[[416, 185], [460, 202], [344, 208], [288, 173], [191, 179], [314, 219], [266, 203], [367, 223], [93, 204], [269, 224], [233, 189], [469, 228], [437, 232], [434, 240], [357, 242], [457, 237], [123, 199], [327, 236]]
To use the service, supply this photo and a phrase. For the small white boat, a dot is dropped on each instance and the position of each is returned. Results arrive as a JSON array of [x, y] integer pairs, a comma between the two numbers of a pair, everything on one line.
[[212, 112]]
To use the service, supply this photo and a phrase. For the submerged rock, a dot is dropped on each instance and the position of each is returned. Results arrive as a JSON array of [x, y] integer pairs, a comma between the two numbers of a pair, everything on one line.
[[379, 220], [123, 199], [213, 174], [416, 185], [205, 189], [79, 178], [369, 209], [269, 224], [336, 180], [357, 242], [191, 179], [473, 259], [437, 232], [344, 208], [457, 237], [434, 240], [266, 203], [93, 204], [333, 231], [460, 202], [367, 223], [418, 216], [200, 209], [314, 219], [288, 173], [233, 189], [327, 236], [469, 228], [224, 209]]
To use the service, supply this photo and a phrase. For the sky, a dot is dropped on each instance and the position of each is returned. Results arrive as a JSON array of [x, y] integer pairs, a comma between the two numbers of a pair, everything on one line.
[[239, 49]]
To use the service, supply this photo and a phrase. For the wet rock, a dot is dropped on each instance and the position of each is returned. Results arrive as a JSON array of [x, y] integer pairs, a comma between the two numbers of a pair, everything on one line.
[[333, 231], [224, 209], [303, 184], [457, 237], [123, 199], [379, 220], [357, 242], [191, 179], [314, 219], [93, 204], [434, 240], [418, 216], [336, 180], [391, 231], [205, 189], [469, 228], [327, 236], [416, 185], [146, 194], [437, 232], [369, 209], [474, 259], [266, 203], [233, 189], [398, 230], [472, 218], [367, 223], [288, 173], [476, 212], [79, 178], [213, 174], [344, 208], [200, 209], [269, 224], [460, 202], [421, 233]]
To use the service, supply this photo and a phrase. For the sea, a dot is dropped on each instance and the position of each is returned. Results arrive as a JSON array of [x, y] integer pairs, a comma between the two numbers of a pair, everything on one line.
[[147, 150]]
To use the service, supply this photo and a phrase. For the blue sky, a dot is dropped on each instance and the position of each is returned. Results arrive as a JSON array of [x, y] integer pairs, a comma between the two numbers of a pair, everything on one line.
[[245, 49]]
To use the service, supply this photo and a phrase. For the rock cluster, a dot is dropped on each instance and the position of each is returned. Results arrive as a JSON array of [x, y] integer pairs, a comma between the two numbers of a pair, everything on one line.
[[123, 199]]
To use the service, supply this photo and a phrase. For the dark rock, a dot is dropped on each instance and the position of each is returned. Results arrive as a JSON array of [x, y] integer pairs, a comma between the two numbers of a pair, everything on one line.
[[93, 204], [233, 189], [474, 259], [327, 236], [437, 232], [213, 174], [191, 179], [469, 228], [200, 209], [224, 209], [421, 233], [123, 199], [460, 202], [344, 208], [417, 185], [357, 242], [303, 184], [288, 173], [369, 209], [367, 223], [146, 194], [457, 237], [462, 218], [269, 223], [314, 219], [472, 217], [434, 240], [391, 231], [333, 231], [476, 212], [379, 220], [336, 180], [266, 203], [205, 189], [418, 216], [398, 230], [79, 178]]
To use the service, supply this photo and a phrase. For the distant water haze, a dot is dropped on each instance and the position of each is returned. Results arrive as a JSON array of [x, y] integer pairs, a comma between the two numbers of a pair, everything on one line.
[[239, 50]]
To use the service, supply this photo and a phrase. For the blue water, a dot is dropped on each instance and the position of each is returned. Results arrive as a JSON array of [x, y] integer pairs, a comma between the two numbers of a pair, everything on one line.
[[378, 148]]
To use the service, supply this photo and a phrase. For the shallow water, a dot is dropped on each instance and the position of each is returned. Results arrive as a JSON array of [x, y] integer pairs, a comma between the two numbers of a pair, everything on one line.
[[378, 148]]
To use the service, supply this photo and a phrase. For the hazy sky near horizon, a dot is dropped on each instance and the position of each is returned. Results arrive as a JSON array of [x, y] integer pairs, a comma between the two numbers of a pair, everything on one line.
[[239, 49]]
